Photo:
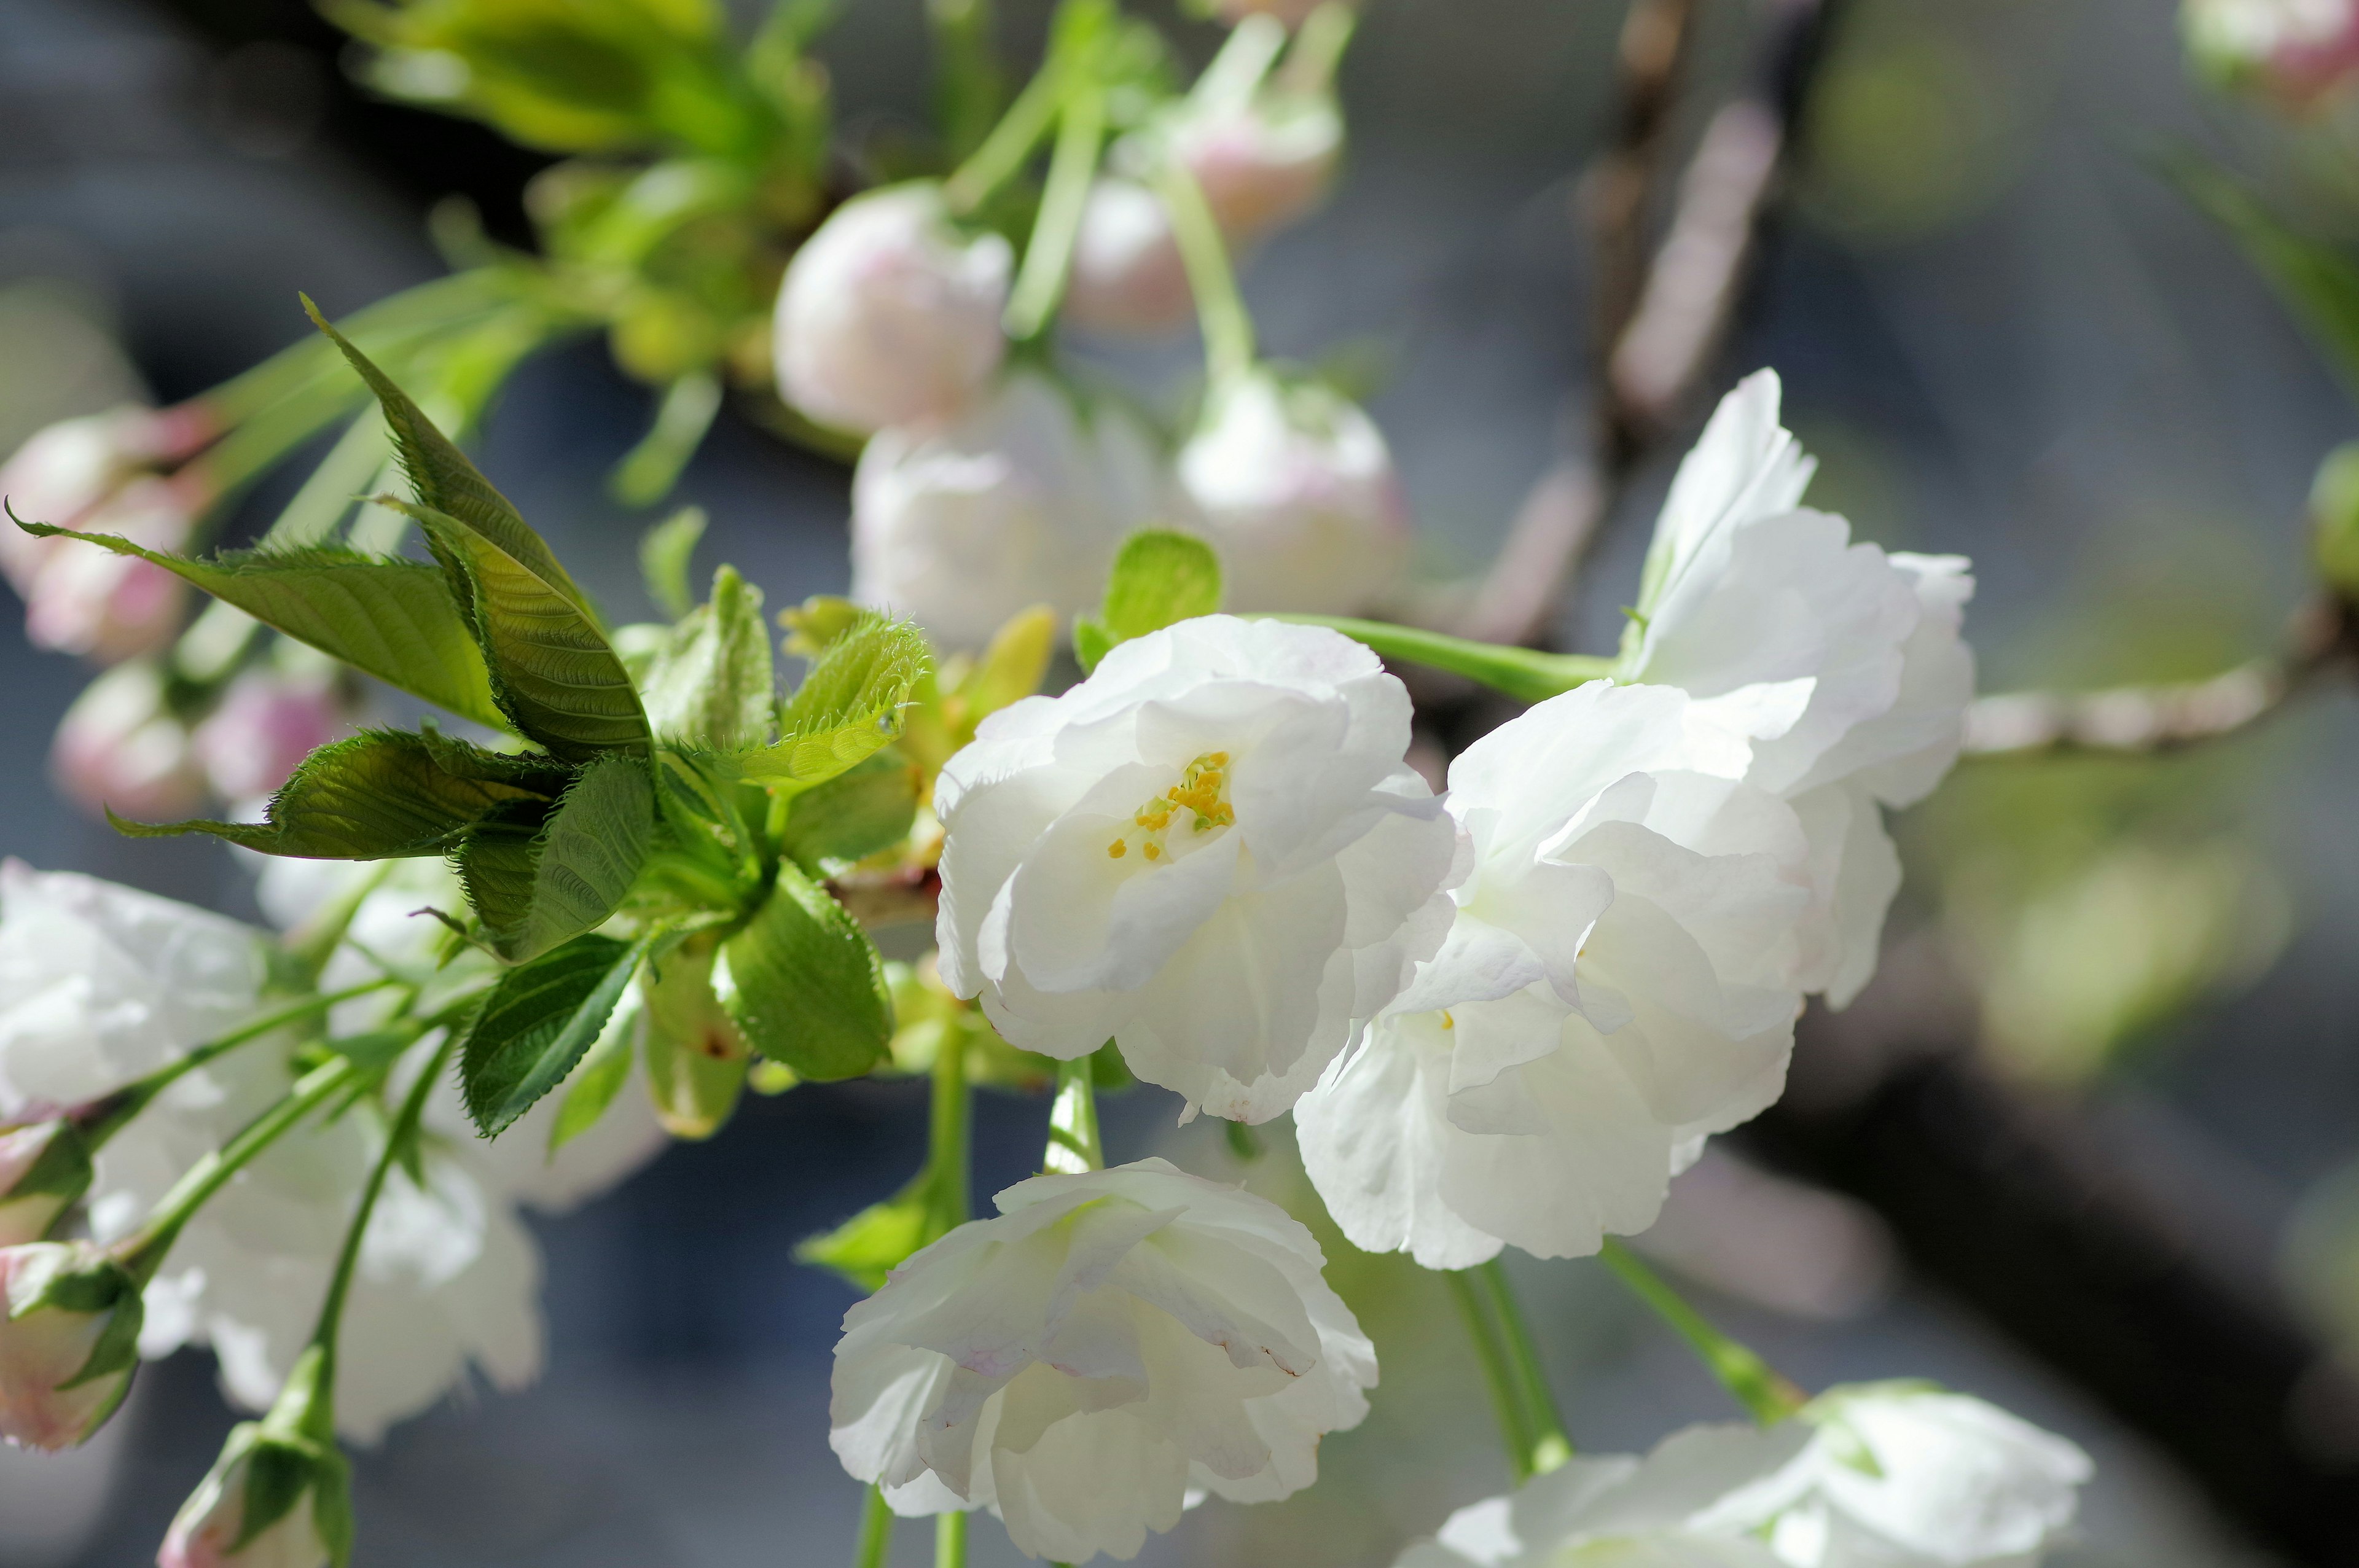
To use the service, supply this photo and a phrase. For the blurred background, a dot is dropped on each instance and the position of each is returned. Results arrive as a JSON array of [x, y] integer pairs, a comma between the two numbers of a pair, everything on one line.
[[2085, 1149]]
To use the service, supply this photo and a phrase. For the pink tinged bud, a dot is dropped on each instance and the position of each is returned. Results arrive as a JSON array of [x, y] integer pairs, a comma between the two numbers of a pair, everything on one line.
[[68, 1342], [80, 599], [119, 746], [44, 1169], [1264, 165], [1297, 489], [889, 315], [267, 724], [271, 1501], [1126, 274], [64, 471], [2298, 52]]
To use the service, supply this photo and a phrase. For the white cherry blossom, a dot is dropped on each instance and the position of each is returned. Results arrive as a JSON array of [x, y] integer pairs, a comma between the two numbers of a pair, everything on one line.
[[888, 315], [1021, 501], [1211, 851], [1110, 1342], [1616, 985], [1840, 664]]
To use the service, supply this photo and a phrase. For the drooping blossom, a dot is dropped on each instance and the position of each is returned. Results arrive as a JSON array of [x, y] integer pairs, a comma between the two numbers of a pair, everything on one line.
[[120, 747], [1840, 664], [266, 724], [1211, 851], [1616, 985], [1882, 1475], [888, 315], [2298, 53], [68, 1316], [1295, 486], [303, 1488], [1110, 1342], [1021, 501]]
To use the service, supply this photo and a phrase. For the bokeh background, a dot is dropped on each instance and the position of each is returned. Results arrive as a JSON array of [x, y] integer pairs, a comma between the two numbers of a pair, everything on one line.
[[2087, 1145]]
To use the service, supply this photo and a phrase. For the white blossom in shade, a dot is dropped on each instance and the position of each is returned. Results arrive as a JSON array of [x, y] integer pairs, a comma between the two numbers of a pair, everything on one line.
[[119, 747], [1880, 1476], [1210, 852], [2294, 51], [1842, 666], [888, 315], [1021, 501], [1296, 488], [1616, 986], [266, 723], [100, 984], [1110, 1342]]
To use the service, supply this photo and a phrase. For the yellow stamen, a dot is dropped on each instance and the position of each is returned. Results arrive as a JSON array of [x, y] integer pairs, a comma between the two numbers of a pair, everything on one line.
[[1118, 849], [1154, 851]]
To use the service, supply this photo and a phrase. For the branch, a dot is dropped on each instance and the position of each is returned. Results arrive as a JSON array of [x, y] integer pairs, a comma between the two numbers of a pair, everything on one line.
[[2146, 719]]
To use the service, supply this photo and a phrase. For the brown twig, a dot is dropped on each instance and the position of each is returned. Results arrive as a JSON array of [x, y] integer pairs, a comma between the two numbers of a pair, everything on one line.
[[1655, 321], [2145, 719]]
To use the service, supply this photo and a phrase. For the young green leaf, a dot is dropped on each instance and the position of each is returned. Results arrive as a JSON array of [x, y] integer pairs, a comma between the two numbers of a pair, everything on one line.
[[1160, 577], [539, 1021], [382, 795], [600, 1078], [712, 685], [1012, 667], [805, 985], [866, 809], [553, 671], [879, 1238], [538, 876], [386, 617], [665, 551], [847, 710], [698, 1060]]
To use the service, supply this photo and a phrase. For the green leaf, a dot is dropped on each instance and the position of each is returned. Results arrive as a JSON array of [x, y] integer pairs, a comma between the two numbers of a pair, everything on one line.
[[1012, 667], [648, 470], [866, 809], [2319, 283], [600, 1078], [712, 684], [847, 710], [538, 1023], [698, 1062], [387, 617], [381, 795], [813, 627], [1160, 577], [538, 876], [879, 1238], [1521, 673], [805, 985], [665, 551]]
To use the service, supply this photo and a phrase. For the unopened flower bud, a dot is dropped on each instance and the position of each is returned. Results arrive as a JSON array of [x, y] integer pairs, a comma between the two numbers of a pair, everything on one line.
[[888, 315], [1021, 501], [44, 1169], [267, 723], [697, 1058], [1296, 487], [272, 1500], [1126, 274], [2296, 53], [69, 1341], [64, 470], [2334, 519], [120, 746]]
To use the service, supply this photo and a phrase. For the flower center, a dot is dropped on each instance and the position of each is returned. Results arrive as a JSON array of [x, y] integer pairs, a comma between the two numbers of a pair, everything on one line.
[[1202, 793]]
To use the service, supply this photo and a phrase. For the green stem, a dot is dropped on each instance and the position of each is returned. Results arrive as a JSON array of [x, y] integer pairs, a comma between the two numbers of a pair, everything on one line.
[[1550, 1447], [1073, 1142], [1767, 1394], [949, 1133], [1521, 673], [1220, 309], [143, 1253], [950, 1540], [1497, 1376], [105, 1118], [968, 85], [1048, 256], [403, 1132], [1236, 73], [876, 1531], [1005, 152], [1318, 48]]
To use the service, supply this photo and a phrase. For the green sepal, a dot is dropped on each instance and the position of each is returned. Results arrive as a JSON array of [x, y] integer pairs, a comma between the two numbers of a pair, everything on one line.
[[861, 811], [805, 985], [62, 1170], [601, 1075], [387, 617], [698, 1060], [711, 685], [848, 709], [382, 795], [538, 1023], [1160, 577], [76, 1277], [538, 876], [1520, 672], [869, 1246]]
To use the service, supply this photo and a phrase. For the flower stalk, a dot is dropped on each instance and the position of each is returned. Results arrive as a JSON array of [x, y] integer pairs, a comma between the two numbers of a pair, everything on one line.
[[1048, 256], [1514, 1434], [1767, 1395], [1229, 345], [1074, 1146], [1549, 1448]]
